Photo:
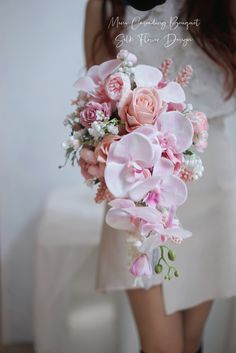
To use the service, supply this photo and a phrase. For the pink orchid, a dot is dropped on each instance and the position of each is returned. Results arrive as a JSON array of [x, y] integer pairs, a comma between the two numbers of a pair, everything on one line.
[[93, 82], [150, 76], [160, 235], [127, 173], [125, 215], [166, 189], [141, 266], [168, 229], [128, 163], [176, 131]]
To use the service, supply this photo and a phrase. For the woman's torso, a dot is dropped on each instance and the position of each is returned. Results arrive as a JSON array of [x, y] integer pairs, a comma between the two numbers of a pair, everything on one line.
[[155, 35]]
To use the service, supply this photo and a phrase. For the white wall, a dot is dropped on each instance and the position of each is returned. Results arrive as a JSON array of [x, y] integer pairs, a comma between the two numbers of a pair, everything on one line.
[[41, 55]]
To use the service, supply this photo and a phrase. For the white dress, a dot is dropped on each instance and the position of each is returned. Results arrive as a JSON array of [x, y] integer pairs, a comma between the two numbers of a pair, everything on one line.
[[207, 260]]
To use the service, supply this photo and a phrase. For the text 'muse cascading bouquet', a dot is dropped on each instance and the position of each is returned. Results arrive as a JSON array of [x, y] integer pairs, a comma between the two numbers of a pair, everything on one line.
[[134, 138]]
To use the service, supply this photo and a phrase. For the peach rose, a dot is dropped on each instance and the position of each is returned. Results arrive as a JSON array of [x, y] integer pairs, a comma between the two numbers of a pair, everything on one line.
[[142, 106], [90, 168], [101, 150]]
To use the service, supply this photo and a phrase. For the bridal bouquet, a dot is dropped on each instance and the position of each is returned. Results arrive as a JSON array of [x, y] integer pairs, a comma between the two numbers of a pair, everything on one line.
[[134, 137]]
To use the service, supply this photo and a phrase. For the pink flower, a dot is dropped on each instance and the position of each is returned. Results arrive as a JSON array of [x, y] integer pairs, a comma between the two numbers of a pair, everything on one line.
[[125, 215], [142, 106], [91, 112], [90, 168], [176, 106], [164, 187], [96, 76], [200, 127], [141, 266], [176, 158], [151, 224], [93, 82], [149, 76], [176, 132], [128, 163], [173, 133], [135, 167], [117, 86]]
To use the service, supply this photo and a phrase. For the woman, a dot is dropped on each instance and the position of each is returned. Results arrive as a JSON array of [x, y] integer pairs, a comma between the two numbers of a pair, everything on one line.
[[170, 316]]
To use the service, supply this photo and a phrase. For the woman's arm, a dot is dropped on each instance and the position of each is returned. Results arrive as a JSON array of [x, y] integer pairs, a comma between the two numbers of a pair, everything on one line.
[[93, 24]]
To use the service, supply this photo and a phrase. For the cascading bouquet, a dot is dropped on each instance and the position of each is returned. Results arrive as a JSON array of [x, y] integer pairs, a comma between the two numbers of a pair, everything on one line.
[[133, 135]]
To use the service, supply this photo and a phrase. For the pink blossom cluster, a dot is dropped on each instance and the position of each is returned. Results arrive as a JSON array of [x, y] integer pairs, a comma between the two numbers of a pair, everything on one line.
[[133, 134]]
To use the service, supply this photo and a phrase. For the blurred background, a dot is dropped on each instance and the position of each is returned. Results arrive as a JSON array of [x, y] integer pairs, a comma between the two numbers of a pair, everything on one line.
[[48, 249]]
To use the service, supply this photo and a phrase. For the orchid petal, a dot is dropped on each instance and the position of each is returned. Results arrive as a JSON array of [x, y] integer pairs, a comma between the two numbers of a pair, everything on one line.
[[147, 76], [116, 184], [173, 192], [85, 84], [141, 189], [150, 243], [177, 124], [119, 219], [121, 203], [93, 73], [163, 168], [172, 92], [150, 215], [131, 146], [176, 231], [106, 68]]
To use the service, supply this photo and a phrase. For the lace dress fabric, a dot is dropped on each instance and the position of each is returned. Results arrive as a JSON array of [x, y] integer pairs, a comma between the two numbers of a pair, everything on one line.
[[206, 261]]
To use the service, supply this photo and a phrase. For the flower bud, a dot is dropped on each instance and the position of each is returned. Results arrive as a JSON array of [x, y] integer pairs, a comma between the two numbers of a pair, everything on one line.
[[158, 268], [171, 255], [176, 273]]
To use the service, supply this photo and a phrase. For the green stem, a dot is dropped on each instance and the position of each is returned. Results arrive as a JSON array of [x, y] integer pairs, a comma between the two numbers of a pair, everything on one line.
[[162, 258]]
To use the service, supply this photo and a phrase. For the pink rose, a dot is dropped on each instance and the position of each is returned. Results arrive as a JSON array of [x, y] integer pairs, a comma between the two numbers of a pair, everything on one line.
[[117, 86], [91, 112], [142, 106]]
